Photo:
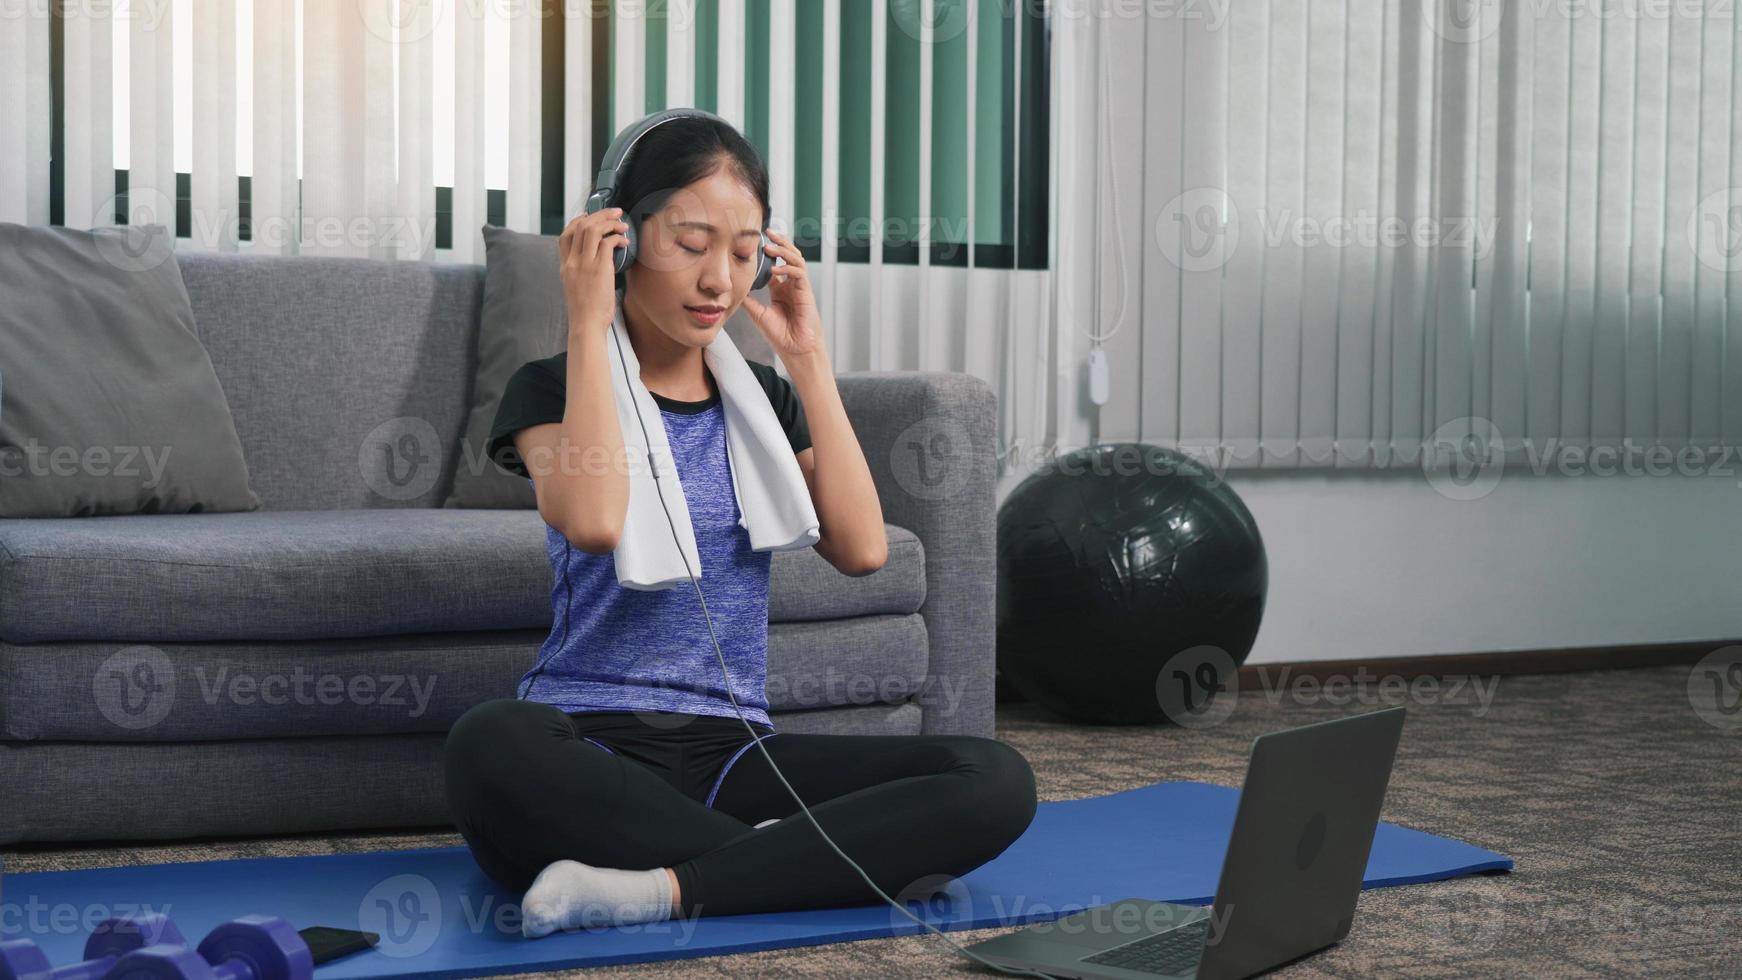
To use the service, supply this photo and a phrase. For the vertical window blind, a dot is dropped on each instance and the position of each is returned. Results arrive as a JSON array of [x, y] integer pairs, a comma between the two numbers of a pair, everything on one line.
[[378, 127], [910, 143], [1390, 227]]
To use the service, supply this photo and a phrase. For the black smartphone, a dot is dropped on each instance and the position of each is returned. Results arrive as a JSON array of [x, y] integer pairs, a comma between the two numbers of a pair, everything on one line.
[[327, 943]]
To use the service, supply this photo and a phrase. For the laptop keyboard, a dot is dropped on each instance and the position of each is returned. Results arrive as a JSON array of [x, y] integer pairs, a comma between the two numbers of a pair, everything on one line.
[[1174, 951]]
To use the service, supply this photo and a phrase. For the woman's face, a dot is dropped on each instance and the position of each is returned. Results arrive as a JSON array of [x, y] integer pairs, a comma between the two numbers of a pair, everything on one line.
[[697, 250]]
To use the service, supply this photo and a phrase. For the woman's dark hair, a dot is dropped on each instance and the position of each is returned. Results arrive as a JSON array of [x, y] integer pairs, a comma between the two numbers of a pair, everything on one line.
[[679, 152]]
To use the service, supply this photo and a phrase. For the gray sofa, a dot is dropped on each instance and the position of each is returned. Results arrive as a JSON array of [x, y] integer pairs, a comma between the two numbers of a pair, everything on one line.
[[296, 668]]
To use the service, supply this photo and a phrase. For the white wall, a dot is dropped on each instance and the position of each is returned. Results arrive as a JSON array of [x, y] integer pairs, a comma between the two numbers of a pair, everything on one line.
[[1381, 564]]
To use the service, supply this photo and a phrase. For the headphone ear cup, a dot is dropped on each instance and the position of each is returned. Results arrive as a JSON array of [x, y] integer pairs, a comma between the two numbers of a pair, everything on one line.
[[624, 257], [764, 263]]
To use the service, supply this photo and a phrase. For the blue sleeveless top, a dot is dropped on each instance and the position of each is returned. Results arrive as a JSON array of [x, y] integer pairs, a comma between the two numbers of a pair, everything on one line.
[[617, 649]]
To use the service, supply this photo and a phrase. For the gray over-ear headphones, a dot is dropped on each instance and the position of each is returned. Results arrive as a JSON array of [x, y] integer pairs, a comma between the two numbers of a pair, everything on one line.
[[605, 190]]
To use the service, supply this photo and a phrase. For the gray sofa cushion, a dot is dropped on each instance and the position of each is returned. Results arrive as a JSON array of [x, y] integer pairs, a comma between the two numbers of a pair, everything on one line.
[[185, 692], [110, 404], [804, 587], [273, 575], [524, 318], [302, 575], [347, 377]]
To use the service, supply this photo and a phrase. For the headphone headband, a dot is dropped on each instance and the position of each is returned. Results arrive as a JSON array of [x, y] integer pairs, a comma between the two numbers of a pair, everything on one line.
[[605, 184], [605, 190]]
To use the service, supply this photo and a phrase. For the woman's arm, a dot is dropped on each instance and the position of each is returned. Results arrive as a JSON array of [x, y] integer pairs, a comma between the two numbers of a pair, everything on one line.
[[578, 465], [848, 511]]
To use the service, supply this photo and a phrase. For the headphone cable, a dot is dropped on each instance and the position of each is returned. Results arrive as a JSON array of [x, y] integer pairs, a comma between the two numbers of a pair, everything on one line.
[[647, 440]]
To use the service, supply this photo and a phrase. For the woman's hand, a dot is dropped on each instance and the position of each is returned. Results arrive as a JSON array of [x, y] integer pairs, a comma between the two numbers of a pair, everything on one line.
[[587, 253], [791, 321]]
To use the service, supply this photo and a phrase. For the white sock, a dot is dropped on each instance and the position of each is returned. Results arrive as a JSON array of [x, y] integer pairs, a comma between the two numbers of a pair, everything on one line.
[[571, 895]]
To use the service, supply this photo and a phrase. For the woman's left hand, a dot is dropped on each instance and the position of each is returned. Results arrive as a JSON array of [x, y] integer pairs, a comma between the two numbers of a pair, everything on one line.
[[791, 321]]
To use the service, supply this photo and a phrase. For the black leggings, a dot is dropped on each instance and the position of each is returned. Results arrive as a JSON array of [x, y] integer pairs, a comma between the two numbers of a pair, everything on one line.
[[529, 784]]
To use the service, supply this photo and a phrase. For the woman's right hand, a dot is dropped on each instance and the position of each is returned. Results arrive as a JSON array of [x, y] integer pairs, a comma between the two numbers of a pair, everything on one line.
[[586, 253]]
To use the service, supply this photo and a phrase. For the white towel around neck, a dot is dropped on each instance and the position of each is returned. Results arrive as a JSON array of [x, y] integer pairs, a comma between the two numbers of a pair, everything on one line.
[[774, 503]]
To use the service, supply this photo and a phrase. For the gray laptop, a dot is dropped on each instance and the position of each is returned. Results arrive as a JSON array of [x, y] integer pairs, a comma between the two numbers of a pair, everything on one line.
[[1290, 877]]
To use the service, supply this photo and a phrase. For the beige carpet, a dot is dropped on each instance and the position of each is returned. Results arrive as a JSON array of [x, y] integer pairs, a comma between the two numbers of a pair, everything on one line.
[[1621, 806]]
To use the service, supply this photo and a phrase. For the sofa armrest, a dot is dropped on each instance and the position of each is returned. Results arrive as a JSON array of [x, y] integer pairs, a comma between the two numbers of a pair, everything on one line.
[[930, 438]]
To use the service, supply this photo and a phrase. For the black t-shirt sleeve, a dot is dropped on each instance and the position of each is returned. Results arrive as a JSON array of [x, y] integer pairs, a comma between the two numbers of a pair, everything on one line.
[[534, 395], [787, 406], [537, 394]]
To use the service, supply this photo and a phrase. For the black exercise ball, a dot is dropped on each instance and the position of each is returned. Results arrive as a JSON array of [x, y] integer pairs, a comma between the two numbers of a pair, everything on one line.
[[1131, 582]]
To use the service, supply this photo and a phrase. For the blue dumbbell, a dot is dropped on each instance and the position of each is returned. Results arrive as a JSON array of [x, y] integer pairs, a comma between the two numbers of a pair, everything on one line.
[[253, 947], [109, 942]]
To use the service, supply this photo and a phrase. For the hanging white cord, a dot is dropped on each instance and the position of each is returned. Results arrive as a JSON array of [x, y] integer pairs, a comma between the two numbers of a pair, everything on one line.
[[1112, 176]]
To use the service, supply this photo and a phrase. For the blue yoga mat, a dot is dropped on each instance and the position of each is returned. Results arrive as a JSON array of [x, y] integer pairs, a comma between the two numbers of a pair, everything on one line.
[[439, 916]]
